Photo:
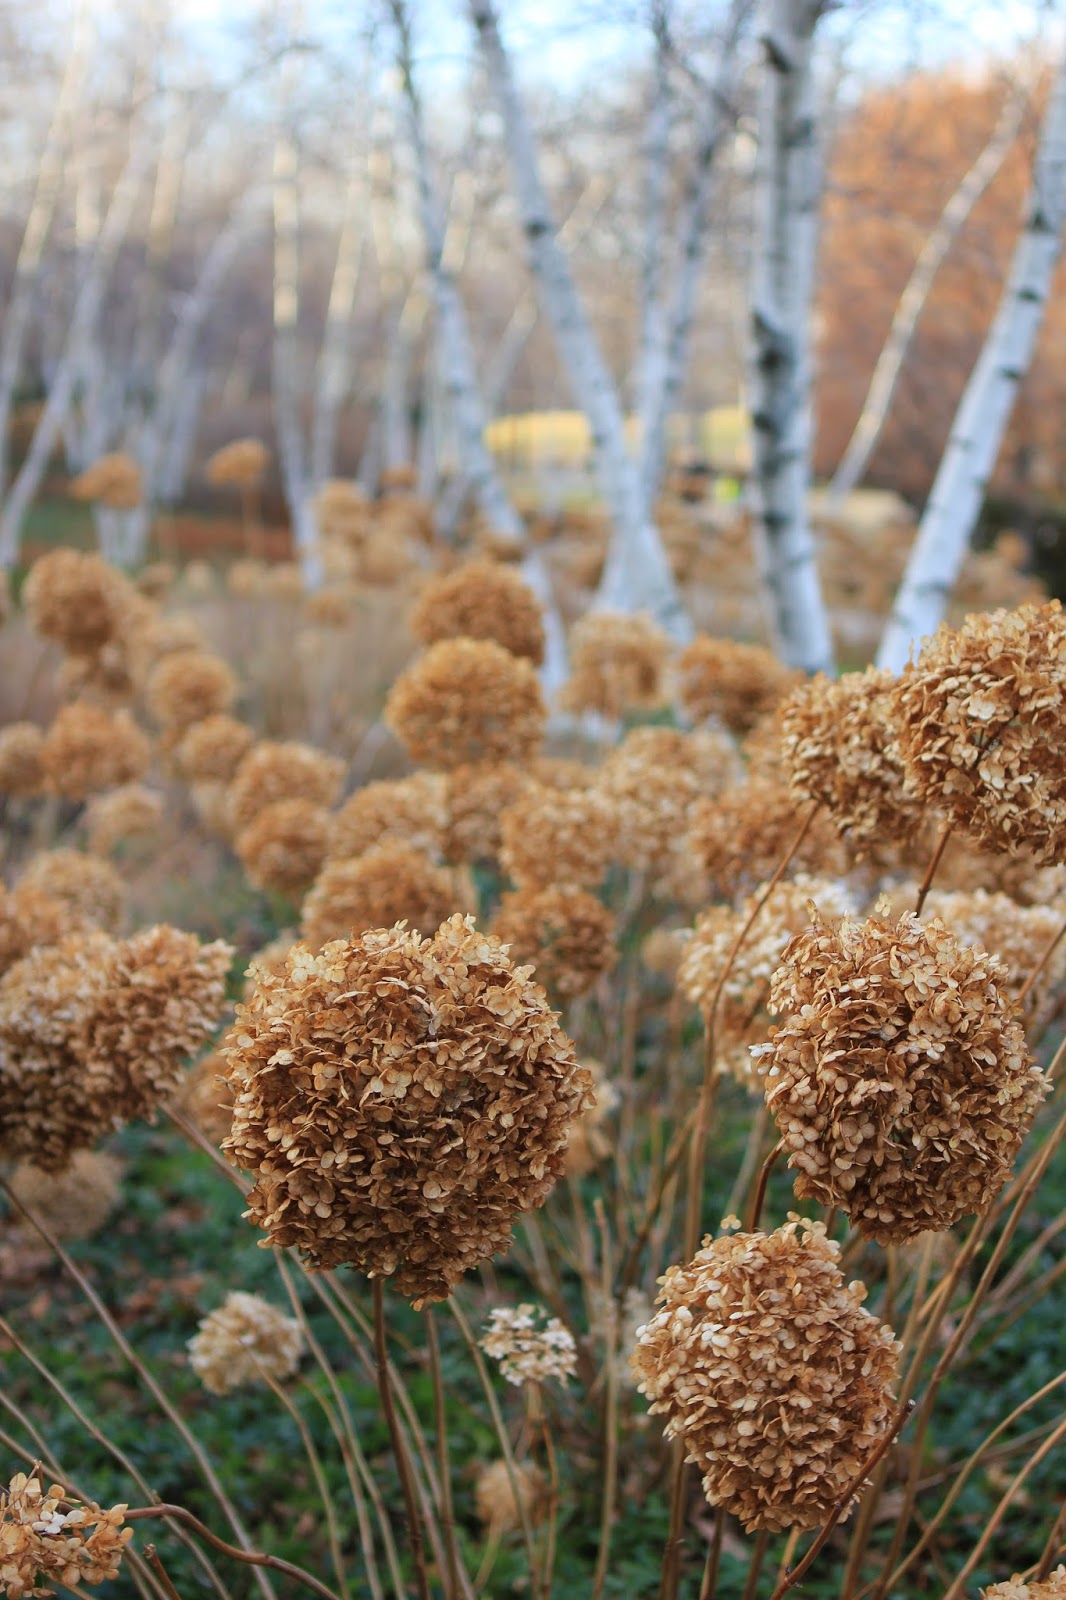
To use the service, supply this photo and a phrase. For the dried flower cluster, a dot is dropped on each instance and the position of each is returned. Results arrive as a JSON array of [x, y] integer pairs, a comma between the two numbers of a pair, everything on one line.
[[399, 1100], [245, 1340], [738, 684], [564, 933], [391, 883], [241, 462], [206, 1098], [114, 480], [617, 665], [282, 771], [560, 836], [87, 749], [900, 1080], [1052, 1588], [75, 600], [212, 750], [21, 770], [740, 839], [76, 1202], [89, 890], [496, 1502], [50, 1536], [979, 718], [185, 686], [129, 815], [1018, 935], [526, 1352], [409, 810], [481, 600], [477, 797], [467, 700], [284, 848], [655, 777], [767, 1367]]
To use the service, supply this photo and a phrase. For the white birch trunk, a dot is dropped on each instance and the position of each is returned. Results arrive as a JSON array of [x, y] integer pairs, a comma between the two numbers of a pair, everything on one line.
[[878, 402], [786, 201], [984, 411], [656, 175], [287, 426], [334, 369], [637, 574]]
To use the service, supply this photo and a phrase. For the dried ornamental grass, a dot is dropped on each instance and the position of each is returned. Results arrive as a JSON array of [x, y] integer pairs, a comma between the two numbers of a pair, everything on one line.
[[565, 934], [400, 1100], [481, 600], [90, 890], [477, 797], [74, 599], [467, 701], [617, 665], [410, 810], [768, 1369], [114, 481], [131, 815], [560, 836], [900, 1080], [526, 1352], [212, 750], [286, 770], [50, 1536], [87, 749], [495, 1499], [393, 882], [245, 1340], [242, 462], [979, 718], [284, 848], [76, 1202], [21, 771], [738, 684], [185, 686]]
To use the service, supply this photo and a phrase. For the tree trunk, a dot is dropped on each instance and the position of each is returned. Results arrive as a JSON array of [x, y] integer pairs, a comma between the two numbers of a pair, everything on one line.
[[984, 411], [788, 182], [333, 375], [287, 425]]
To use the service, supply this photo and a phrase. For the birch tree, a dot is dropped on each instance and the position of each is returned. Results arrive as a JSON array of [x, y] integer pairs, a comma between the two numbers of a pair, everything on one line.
[[787, 191], [957, 494]]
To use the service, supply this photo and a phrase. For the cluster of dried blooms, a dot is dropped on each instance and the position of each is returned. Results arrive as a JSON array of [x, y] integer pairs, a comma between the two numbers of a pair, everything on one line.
[[1017, 934], [410, 811], [467, 701], [740, 1015], [284, 848], [900, 1080], [503, 1496], [113, 480], [21, 768], [1053, 1587], [245, 1340], [399, 1101], [839, 748], [770, 1371], [74, 599], [740, 839], [87, 749], [563, 932], [95, 1031], [565, 836], [979, 718], [477, 797], [242, 462], [51, 1536], [529, 1346], [74, 1203], [481, 600], [391, 883], [736, 684], [211, 750], [285, 770], [130, 815], [617, 665], [89, 890], [656, 777], [206, 1098], [185, 686]]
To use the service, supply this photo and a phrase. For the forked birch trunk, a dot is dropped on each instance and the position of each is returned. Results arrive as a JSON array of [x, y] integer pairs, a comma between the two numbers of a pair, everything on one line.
[[788, 187], [984, 411]]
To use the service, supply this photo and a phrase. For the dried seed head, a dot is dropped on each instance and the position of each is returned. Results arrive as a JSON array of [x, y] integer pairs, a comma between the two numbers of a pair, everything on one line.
[[21, 770], [409, 811], [185, 686], [1018, 935], [212, 750], [655, 777], [87, 749], [399, 1100], [114, 480], [481, 600], [391, 883], [77, 600], [51, 1536], [495, 1501], [565, 934], [741, 838], [242, 462], [738, 684], [769, 1370], [900, 1080], [527, 1353], [476, 798], [467, 700], [76, 1202], [284, 848], [617, 665], [560, 836], [90, 890], [282, 771], [245, 1340]]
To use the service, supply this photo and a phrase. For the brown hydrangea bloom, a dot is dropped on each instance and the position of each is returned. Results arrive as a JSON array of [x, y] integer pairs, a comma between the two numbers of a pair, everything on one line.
[[400, 1099], [617, 665], [769, 1370], [51, 1536], [965, 866], [738, 684], [840, 749], [566, 934], [21, 772], [269, 958], [245, 1340], [979, 718], [149, 637], [589, 1142], [130, 815], [113, 480], [740, 839], [410, 810], [900, 1080], [241, 462], [467, 700], [393, 882], [655, 777], [75, 599], [741, 1016], [206, 1098], [564, 836], [76, 1202], [1052, 1588], [212, 750], [186, 686], [89, 889], [157, 579], [87, 749], [664, 950], [477, 797], [481, 600], [1018, 935], [287, 770], [561, 772], [29, 918], [329, 608], [284, 848], [495, 1501], [246, 578]]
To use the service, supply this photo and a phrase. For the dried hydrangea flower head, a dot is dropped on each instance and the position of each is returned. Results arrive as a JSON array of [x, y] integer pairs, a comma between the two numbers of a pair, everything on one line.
[[1018, 935], [399, 1101], [75, 599], [1053, 1587], [410, 810], [564, 933], [495, 1499], [840, 749], [245, 1340], [87, 749], [738, 684], [76, 1202], [391, 883], [51, 1536], [284, 848], [185, 686], [964, 866], [476, 798], [979, 717], [617, 665], [126, 816], [286, 770], [113, 480], [740, 839], [21, 770], [560, 836], [481, 600], [529, 1346], [206, 1098], [212, 750], [89, 889], [900, 1080], [242, 462], [655, 777], [467, 700], [767, 1367], [741, 1016], [589, 1143]]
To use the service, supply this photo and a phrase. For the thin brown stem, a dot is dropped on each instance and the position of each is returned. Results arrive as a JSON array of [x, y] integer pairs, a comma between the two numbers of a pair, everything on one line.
[[759, 1197], [709, 1585], [453, 1588], [399, 1443], [1052, 1547], [931, 869], [1045, 956], [609, 1487], [755, 1565], [152, 1558], [250, 1558]]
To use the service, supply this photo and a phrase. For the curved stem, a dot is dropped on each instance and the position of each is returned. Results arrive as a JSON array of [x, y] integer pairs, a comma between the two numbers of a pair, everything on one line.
[[399, 1444], [760, 1189], [930, 871], [250, 1558]]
